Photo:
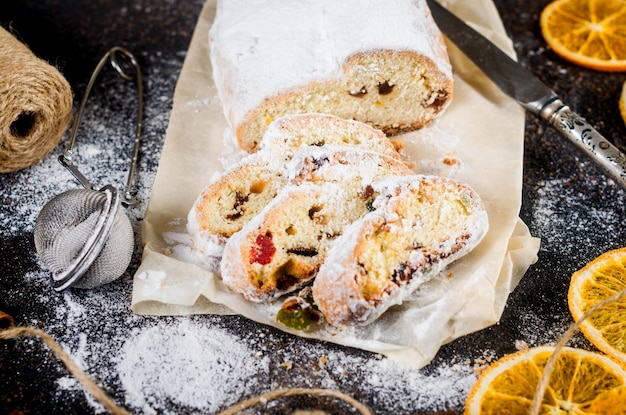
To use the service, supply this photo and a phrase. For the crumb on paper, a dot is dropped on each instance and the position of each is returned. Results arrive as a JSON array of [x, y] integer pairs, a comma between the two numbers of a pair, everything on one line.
[[152, 275], [398, 144], [449, 160]]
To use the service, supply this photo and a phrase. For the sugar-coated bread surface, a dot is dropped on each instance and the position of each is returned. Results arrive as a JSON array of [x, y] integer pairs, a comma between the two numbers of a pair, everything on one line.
[[351, 166], [381, 63], [419, 226]]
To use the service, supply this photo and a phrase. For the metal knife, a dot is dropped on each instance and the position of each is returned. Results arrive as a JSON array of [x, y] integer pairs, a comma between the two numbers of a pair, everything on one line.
[[518, 83]]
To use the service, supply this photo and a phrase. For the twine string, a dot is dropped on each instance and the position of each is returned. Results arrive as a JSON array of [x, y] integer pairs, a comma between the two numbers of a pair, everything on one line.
[[8, 331], [281, 393], [72, 367], [549, 368], [95, 390], [6, 321]]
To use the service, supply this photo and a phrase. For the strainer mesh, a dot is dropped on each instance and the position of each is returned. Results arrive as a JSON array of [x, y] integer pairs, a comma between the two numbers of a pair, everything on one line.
[[65, 228]]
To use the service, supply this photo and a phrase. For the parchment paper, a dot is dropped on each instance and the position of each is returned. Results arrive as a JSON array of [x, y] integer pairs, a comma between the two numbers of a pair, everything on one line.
[[479, 139]]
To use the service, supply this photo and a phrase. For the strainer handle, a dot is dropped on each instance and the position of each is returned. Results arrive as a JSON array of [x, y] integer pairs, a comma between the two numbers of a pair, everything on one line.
[[66, 158], [67, 163]]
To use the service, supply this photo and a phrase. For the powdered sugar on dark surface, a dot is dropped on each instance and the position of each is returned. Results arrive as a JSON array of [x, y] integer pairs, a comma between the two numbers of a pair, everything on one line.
[[171, 364], [203, 364]]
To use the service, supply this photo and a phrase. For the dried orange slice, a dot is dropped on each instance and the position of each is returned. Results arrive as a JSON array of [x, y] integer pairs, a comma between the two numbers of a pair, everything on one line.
[[590, 33], [600, 279], [582, 382]]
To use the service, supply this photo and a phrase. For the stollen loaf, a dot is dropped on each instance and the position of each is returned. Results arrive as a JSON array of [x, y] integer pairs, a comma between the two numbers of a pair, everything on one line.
[[384, 64]]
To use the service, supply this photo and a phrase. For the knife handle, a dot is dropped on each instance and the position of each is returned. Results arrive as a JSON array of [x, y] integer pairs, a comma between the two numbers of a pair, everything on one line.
[[581, 133]]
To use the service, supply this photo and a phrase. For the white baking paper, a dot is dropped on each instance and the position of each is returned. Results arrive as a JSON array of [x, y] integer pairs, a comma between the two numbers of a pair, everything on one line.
[[479, 139]]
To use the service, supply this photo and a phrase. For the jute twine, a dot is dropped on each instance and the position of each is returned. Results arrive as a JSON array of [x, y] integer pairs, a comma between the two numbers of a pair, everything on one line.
[[547, 371], [8, 331], [35, 105]]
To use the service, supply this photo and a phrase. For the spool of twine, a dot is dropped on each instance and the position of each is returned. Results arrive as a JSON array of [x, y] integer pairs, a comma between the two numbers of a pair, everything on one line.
[[35, 102]]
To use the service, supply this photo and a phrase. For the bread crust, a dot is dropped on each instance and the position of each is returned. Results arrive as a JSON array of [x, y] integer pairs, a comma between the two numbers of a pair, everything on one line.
[[287, 134]]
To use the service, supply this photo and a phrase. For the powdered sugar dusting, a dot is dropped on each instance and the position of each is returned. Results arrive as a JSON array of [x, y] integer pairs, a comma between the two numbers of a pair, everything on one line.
[[189, 364], [185, 364], [561, 209], [449, 384]]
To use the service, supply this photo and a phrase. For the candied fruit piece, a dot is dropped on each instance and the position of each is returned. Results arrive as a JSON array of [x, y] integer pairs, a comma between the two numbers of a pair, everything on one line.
[[263, 250]]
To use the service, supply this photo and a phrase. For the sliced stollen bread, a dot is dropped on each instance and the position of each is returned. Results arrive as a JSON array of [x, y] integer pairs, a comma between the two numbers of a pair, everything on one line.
[[419, 226], [228, 203], [282, 247]]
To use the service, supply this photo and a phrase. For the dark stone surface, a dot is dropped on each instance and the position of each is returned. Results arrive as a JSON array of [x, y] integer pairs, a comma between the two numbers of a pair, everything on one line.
[[585, 208]]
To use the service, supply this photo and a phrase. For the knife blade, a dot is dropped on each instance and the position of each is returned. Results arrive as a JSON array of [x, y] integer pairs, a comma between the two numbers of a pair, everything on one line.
[[535, 96]]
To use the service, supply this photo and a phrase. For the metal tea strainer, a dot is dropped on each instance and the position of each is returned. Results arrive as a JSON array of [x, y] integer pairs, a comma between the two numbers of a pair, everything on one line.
[[82, 235]]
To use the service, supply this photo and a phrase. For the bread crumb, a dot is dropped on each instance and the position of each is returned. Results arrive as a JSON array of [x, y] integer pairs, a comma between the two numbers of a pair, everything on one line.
[[481, 363], [450, 160], [521, 345], [398, 144]]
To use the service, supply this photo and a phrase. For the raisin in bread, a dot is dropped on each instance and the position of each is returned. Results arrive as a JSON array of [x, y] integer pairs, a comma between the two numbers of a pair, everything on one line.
[[282, 247], [382, 64], [419, 226]]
